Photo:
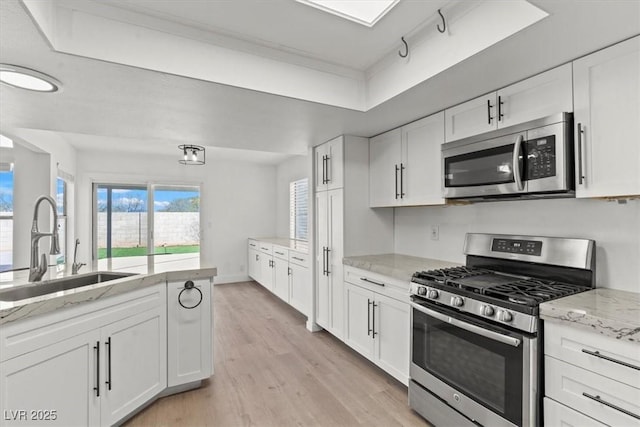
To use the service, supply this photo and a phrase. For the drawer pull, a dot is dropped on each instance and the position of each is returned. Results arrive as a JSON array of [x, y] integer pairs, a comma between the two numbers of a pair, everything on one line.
[[610, 359], [371, 281], [610, 405], [280, 253], [296, 258]]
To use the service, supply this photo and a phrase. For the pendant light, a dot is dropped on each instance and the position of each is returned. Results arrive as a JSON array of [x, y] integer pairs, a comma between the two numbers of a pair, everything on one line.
[[192, 155]]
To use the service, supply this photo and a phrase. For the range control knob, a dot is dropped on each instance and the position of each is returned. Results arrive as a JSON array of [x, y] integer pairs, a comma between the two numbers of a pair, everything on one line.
[[433, 294], [457, 301], [505, 316], [422, 290], [487, 310]]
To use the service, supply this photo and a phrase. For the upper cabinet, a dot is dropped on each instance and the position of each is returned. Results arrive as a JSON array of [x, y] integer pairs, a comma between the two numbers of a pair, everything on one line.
[[329, 165], [404, 164], [607, 121], [539, 96]]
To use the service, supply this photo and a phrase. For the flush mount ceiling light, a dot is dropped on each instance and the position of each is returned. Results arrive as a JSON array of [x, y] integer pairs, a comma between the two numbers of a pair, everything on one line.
[[26, 78], [364, 12], [192, 155]]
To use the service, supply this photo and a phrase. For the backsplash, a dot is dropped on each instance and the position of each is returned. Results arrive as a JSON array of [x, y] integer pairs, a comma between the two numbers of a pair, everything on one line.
[[615, 228]]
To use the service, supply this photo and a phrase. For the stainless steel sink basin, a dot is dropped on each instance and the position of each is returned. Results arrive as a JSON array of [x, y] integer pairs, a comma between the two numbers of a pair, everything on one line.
[[51, 286]]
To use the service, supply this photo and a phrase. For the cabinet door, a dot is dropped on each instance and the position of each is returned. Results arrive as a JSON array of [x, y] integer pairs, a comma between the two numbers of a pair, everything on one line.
[[281, 278], [300, 288], [539, 96], [189, 332], [334, 274], [421, 172], [335, 163], [254, 264], [56, 383], [320, 152], [358, 330], [322, 241], [384, 159], [135, 363], [266, 271], [392, 336], [607, 107], [556, 414], [471, 118]]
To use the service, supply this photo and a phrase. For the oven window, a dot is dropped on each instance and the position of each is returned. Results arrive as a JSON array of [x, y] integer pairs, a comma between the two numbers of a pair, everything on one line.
[[487, 371], [485, 167]]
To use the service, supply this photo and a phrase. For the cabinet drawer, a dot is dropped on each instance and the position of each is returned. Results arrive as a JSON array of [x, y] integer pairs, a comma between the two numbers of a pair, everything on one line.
[[299, 258], [384, 285], [253, 244], [556, 414], [581, 389], [265, 248], [605, 355], [280, 252]]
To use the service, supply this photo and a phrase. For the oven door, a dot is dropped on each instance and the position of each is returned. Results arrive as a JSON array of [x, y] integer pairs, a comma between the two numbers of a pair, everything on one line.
[[485, 372], [485, 168]]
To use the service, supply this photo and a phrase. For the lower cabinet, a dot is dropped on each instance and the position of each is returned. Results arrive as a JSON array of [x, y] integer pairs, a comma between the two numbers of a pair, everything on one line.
[[281, 277], [377, 326], [254, 264], [300, 288]]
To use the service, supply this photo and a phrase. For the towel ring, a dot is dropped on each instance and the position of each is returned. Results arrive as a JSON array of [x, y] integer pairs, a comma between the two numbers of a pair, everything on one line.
[[188, 285]]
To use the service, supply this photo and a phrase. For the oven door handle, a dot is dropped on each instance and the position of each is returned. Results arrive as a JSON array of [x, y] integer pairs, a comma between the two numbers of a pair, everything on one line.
[[505, 339], [517, 173]]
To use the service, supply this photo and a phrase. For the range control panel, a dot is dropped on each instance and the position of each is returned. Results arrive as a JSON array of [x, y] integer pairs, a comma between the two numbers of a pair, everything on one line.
[[513, 246], [541, 157]]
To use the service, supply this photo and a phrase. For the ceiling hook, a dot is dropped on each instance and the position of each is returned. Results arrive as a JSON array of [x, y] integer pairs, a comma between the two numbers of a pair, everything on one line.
[[406, 46], [444, 23]]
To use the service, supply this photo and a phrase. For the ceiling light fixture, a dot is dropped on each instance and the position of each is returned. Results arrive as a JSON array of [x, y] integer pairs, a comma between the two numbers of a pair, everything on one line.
[[26, 78], [192, 155], [5, 141], [364, 12]]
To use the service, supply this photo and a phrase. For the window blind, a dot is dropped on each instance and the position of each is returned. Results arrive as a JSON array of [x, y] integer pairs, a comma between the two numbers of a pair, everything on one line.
[[298, 209]]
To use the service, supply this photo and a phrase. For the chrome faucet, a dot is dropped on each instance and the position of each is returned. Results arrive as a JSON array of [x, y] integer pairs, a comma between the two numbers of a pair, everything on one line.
[[75, 267], [37, 271]]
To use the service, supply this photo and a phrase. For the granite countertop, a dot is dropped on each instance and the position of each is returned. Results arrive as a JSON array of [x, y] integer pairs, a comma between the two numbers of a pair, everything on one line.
[[397, 266], [605, 311], [145, 271], [292, 244]]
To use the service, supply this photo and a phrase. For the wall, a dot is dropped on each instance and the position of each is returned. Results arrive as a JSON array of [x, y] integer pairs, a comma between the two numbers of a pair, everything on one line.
[[287, 171], [237, 201], [615, 228]]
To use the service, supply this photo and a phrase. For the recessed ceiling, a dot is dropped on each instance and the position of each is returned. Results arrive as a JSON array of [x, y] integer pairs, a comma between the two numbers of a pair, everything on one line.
[[364, 12]]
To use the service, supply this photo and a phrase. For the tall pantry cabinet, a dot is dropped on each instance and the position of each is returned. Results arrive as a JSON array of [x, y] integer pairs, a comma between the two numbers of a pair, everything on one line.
[[344, 224]]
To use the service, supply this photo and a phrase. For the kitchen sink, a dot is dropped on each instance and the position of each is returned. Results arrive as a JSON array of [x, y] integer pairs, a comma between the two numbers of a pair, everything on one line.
[[57, 285]]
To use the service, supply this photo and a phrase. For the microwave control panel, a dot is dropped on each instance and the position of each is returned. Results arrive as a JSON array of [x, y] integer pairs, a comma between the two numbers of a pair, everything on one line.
[[540, 157], [513, 246]]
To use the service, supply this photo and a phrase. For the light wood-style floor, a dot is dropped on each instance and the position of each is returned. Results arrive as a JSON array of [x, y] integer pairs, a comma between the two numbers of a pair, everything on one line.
[[270, 371]]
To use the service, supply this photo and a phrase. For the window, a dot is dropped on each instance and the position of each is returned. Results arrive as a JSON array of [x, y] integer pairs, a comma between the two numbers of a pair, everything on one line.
[[125, 225], [6, 216], [298, 207], [61, 202]]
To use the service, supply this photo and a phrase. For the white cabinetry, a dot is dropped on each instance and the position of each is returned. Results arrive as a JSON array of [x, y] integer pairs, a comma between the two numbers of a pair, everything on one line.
[[254, 260], [607, 108], [539, 96], [377, 320], [281, 270], [329, 165], [405, 164], [266, 265], [593, 375], [299, 282], [190, 332]]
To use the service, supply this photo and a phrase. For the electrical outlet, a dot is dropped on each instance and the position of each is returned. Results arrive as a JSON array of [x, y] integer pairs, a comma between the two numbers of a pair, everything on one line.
[[435, 232]]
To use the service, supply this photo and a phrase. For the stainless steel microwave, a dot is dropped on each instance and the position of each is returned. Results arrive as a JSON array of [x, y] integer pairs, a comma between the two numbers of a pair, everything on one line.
[[529, 160]]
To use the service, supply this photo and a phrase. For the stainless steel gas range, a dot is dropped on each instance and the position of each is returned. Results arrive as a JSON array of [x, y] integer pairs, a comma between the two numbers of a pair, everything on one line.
[[476, 339]]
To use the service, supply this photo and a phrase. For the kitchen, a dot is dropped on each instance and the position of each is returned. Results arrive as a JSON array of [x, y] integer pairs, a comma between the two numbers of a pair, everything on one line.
[[97, 130]]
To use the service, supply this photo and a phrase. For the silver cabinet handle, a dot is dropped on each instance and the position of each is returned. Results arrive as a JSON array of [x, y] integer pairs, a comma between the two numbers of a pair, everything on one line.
[[328, 169], [328, 272], [364, 279], [514, 342], [610, 359], [280, 253], [369, 330], [517, 150], [373, 319], [296, 258], [610, 405], [580, 172], [402, 168], [397, 169]]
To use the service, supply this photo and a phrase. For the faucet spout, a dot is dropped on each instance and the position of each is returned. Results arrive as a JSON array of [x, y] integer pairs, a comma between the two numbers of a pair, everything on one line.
[[37, 271], [75, 267]]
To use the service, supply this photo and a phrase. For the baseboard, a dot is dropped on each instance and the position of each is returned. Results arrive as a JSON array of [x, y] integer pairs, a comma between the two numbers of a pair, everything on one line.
[[219, 280]]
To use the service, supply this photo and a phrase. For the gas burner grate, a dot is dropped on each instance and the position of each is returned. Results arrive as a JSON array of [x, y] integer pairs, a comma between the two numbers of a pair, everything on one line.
[[445, 275], [532, 292]]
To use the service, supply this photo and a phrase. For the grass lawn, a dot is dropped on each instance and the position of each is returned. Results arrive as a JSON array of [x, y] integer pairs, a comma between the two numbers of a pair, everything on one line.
[[122, 252]]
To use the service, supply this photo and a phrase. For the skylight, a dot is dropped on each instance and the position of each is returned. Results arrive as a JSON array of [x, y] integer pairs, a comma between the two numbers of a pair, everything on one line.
[[364, 12]]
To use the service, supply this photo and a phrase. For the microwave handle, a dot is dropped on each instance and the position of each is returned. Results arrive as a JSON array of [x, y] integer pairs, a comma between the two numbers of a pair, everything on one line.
[[517, 151], [505, 339]]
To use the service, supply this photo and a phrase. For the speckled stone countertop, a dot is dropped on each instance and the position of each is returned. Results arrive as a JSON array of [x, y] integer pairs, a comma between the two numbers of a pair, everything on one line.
[[605, 311], [292, 244], [144, 272], [397, 266]]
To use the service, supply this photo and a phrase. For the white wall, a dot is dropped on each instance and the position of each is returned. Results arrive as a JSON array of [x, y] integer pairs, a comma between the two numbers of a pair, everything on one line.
[[237, 201], [287, 171], [615, 228]]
